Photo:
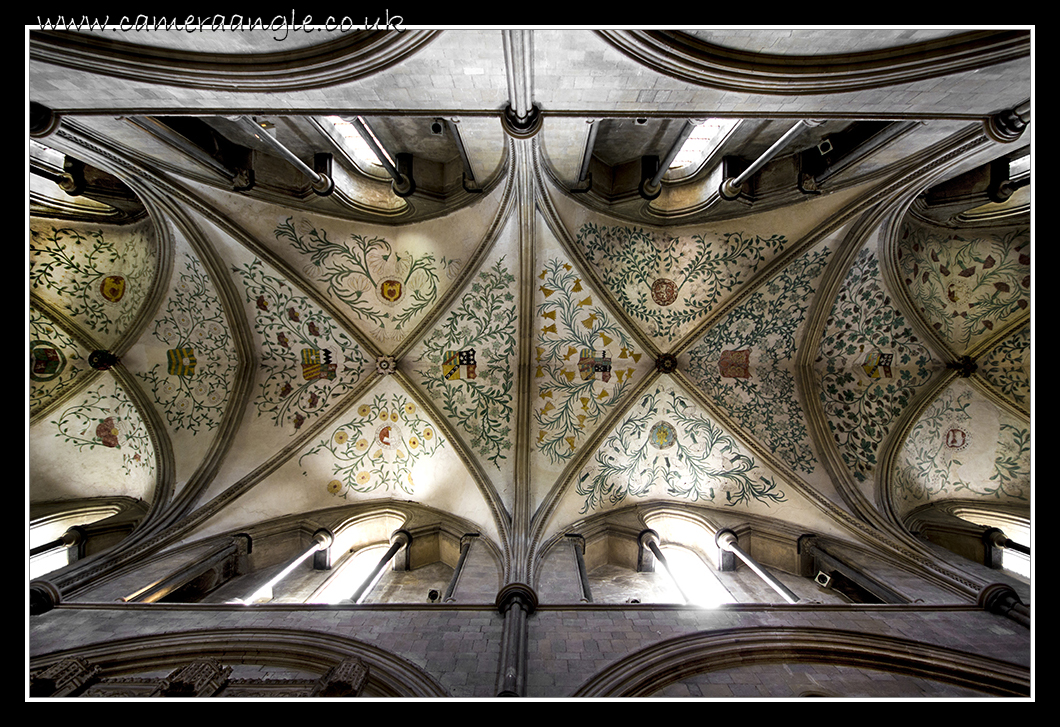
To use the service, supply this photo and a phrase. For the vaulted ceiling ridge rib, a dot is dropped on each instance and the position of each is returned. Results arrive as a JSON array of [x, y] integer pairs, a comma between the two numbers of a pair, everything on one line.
[[694, 61], [525, 199], [985, 387], [349, 57]]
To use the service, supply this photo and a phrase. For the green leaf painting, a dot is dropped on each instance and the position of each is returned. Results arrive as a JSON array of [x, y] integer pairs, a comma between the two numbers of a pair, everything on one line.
[[192, 387], [99, 277], [471, 358], [378, 284], [105, 418], [666, 442], [584, 361], [966, 286], [670, 283], [949, 448], [762, 330], [306, 359], [871, 364]]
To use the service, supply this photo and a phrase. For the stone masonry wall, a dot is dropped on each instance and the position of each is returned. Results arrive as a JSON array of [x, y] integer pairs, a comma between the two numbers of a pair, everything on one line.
[[460, 646]]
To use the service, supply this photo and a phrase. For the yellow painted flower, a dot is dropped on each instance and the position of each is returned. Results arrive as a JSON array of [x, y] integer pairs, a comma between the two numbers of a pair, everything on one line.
[[428, 433], [364, 410], [363, 477], [383, 415], [394, 416], [377, 454], [410, 408], [334, 487], [362, 445], [411, 483], [413, 443], [341, 437], [400, 454]]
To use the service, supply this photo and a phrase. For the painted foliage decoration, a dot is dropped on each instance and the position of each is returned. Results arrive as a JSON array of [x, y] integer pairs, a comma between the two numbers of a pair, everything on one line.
[[763, 397], [584, 361], [55, 360], [106, 418], [669, 283], [378, 447], [471, 357], [1007, 367], [378, 284], [665, 440], [966, 287], [947, 440], [871, 365], [305, 358], [192, 387], [99, 279]]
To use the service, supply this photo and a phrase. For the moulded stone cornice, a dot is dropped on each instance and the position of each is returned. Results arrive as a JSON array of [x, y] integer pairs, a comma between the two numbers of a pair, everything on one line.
[[351, 56], [687, 58]]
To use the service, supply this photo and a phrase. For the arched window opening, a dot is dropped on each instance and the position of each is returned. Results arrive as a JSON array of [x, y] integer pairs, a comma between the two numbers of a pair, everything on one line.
[[357, 568], [698, 584], [1015, 530], [705, 138], [60, 538], [357, 146]]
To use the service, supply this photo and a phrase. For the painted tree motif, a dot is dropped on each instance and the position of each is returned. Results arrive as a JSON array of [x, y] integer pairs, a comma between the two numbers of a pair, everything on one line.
[[669, 283], [471, 358], [765, 399], [938, 447], [666, 440], [966, 287], [1007, 367], [379, 447], [192, 389], [378, 284], [584, 361], [872, 365], [106, 418], [55, 360], [99, 280], [306, 359]]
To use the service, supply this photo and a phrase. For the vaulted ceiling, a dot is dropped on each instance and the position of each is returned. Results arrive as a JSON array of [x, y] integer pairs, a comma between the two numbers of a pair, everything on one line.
[[524, 342]]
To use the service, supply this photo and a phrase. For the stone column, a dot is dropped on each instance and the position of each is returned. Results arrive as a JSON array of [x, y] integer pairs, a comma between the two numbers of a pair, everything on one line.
[[726, 539], [226, 560], [399, 539], [465, 548], [577, 543], [322, 540], [516, 602], [649, 540], [1002, 599]]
